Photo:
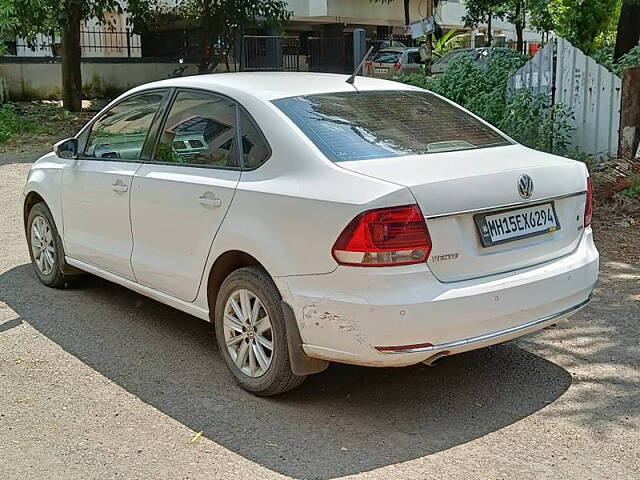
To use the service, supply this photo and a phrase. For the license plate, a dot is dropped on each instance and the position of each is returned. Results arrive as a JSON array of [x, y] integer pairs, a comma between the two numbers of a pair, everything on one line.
[[511, 225], [382, 70]]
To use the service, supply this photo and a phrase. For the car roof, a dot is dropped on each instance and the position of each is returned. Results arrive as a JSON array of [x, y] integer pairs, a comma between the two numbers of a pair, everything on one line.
[[392, 49], [268, 86], [475, 49]]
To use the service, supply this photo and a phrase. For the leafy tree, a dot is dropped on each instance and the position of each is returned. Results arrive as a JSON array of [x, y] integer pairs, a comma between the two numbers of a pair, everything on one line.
[[540, 17], [628, 28], [451, 40], [481, 12], [220, 19], [29, 18], [515, 12], [582, 22]]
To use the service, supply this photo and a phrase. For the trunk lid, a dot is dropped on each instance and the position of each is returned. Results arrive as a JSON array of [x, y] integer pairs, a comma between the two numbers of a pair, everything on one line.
[[451, 188]]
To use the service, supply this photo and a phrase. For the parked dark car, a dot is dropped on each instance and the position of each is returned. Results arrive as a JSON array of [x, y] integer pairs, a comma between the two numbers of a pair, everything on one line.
[[476, 54]]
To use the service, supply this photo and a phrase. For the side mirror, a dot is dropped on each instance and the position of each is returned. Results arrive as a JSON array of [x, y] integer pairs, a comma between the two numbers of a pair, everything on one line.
[[66, 148]]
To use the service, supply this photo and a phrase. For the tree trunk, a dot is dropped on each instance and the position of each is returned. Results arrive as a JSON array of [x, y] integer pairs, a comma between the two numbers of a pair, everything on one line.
[[630, 114], [519, 38], [519, 24], [407, 13], [71, 57], [628, 28], [489, 34], [206, 39]]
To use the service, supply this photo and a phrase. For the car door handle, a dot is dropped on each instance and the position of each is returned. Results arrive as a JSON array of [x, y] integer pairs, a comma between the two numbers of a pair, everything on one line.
[[210, 200], [120, 186]]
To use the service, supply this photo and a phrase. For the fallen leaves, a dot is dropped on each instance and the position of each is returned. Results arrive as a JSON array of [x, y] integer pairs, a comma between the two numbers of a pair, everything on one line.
[[195, 438]]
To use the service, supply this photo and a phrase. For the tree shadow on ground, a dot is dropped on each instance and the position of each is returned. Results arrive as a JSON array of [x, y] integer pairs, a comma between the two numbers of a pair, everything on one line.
[[601, 348], [381, 416]]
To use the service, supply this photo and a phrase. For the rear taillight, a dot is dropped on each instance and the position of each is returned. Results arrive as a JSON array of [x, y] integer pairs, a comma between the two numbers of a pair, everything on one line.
[[588, 208], [368, 65], [396, 66], [384, 237]]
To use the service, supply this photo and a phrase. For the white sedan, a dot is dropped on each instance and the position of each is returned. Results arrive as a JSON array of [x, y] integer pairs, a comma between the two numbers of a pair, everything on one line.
[[315, 221]]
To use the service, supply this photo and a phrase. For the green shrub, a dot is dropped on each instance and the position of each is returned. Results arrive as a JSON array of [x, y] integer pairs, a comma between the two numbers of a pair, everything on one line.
[[634, 189], [604, 57], [533, 121], [481, 87], [629, 59]]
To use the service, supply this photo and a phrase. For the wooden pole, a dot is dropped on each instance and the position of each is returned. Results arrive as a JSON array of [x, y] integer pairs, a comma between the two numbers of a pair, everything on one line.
[[629, 136]]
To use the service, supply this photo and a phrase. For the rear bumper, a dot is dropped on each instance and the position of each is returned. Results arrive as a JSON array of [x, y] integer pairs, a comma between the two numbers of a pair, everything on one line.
[[494, 337], [344, 315]]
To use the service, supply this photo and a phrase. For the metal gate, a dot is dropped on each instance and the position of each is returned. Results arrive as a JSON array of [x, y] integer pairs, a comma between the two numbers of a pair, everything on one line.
[[590, 91], [270, 53], [331, 54]]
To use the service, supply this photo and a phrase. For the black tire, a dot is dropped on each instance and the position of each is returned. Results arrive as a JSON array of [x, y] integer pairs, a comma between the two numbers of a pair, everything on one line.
[[278, 377], [54, 278]]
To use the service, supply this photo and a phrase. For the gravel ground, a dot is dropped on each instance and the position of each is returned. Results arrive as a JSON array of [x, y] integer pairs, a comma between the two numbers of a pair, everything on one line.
[[97, 382]]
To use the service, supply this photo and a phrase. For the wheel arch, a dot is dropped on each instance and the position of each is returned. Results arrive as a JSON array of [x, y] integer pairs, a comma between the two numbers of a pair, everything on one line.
[[30, 200], [226, 263], [232, 260], [43, 184]]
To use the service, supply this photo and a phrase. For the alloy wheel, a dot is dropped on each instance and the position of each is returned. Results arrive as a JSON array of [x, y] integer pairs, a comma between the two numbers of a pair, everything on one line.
[[42, 247], [248, 333]]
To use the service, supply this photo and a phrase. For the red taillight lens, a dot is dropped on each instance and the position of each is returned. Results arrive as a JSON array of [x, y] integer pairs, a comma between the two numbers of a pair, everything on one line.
[[368, 65], [383, 237], [588, 208], [396, 66]]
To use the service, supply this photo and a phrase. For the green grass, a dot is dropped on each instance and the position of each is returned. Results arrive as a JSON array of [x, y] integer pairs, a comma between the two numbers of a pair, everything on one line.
[[39, 118], [11, 122]]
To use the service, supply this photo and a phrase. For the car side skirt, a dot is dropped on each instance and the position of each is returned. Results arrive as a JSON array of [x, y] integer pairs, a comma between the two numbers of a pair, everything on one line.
[[161, 297]]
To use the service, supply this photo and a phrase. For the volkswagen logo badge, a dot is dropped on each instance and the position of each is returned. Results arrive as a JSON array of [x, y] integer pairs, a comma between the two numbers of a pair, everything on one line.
[[525, 186]]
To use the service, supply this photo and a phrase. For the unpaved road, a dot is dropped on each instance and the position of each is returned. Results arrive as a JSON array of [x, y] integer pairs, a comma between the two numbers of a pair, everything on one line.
[[97, 382]]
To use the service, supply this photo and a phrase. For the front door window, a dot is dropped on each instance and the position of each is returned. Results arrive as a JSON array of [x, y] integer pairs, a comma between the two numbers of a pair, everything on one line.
[[120, 132]]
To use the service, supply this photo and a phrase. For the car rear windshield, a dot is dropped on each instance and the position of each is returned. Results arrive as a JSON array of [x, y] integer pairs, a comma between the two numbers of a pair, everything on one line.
[[379, 124], [386, 57]]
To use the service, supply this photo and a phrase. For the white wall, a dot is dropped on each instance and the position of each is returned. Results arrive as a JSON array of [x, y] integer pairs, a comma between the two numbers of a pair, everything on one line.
[[44, 80], [449, 14]]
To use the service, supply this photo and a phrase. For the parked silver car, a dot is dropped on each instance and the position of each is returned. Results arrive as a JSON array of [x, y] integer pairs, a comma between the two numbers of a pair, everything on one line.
[[391, 61]]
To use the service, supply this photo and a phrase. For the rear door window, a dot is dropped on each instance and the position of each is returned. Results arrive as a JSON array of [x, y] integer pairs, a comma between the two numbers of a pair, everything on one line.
[[200, 130], [255, 149], [414, 57], [380, 124]]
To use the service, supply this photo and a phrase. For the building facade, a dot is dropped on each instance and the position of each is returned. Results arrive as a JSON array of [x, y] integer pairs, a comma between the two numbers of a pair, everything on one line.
[[310, 18]]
